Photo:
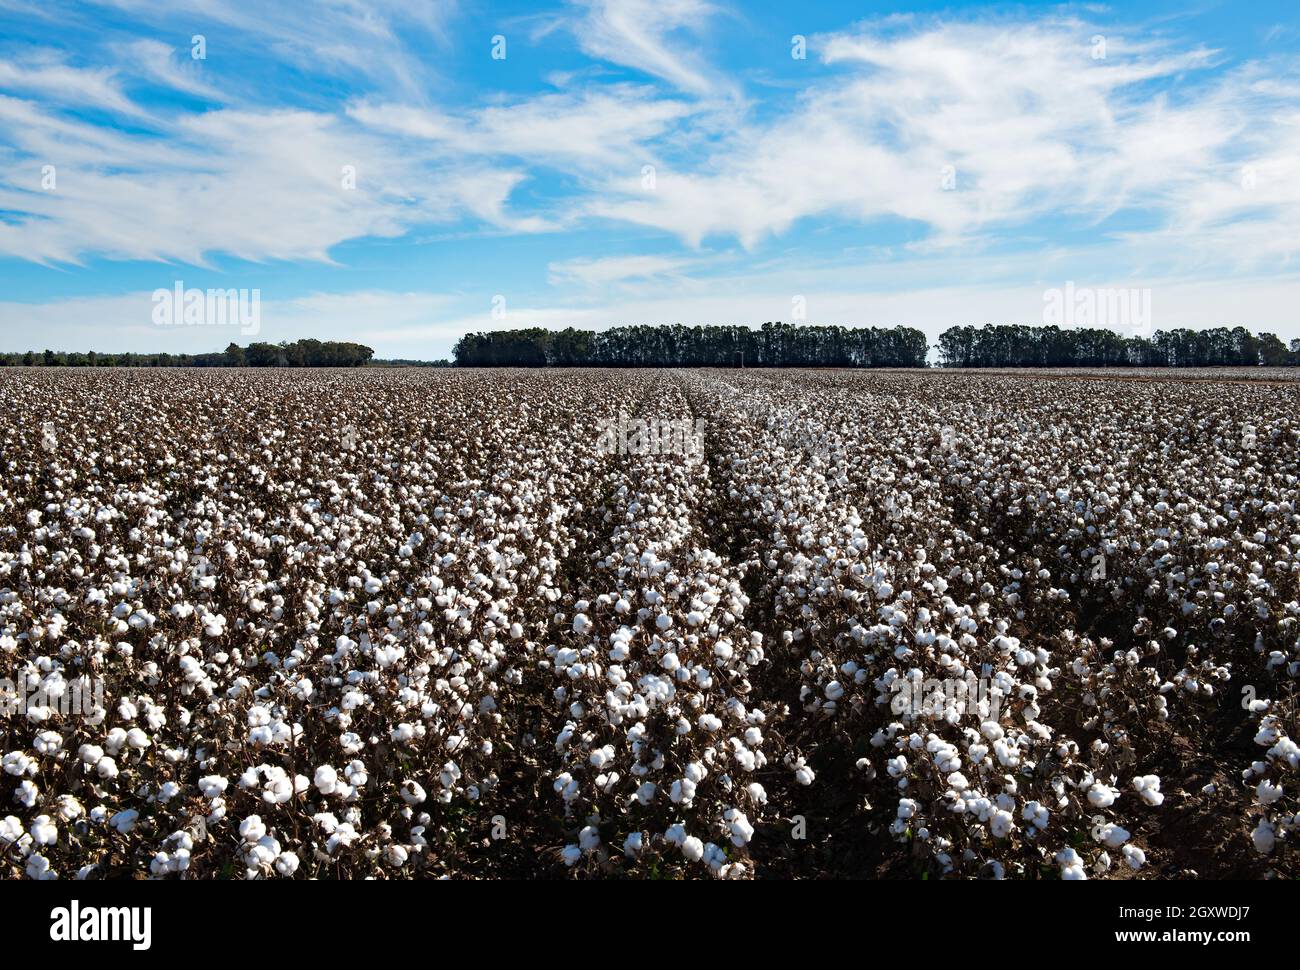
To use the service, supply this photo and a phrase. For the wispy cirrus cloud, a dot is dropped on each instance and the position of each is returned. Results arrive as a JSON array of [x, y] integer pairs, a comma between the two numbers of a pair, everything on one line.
[[620, 269], [971, 130], [605, 128], [172, 68], [44, 75], [384, 42], [652, 36], [286, 185]]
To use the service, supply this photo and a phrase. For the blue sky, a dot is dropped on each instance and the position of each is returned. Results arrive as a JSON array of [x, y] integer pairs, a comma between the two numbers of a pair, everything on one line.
[[630, 161]]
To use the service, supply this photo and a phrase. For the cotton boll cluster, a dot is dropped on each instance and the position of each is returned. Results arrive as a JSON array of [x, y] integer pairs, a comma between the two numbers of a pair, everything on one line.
[[978, 620], [654, 674], [1017, 627], [1272, 782]]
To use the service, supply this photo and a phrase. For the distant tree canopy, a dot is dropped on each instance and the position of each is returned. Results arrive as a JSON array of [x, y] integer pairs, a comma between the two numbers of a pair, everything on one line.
[[1022, 346], [772, 345], [406, 362], [300, 353]]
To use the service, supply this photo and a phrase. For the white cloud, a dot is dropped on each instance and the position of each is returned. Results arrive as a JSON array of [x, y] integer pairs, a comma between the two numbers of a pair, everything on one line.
[[647, 35], [252, 184], [54, 81], [605, 128], [384, 41], [618, 269], [160, 63], [1018, 120], [1146, 152]]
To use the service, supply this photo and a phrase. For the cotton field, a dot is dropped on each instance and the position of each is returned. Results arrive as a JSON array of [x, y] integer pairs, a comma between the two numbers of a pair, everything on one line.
[[647, 624]]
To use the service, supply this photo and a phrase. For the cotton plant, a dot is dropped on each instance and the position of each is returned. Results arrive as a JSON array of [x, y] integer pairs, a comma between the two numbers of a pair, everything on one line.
[[975, 616]]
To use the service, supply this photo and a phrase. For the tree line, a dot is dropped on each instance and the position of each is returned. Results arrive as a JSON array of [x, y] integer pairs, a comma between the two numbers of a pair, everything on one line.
[[772, 345], [1023, 346], [299, 353]]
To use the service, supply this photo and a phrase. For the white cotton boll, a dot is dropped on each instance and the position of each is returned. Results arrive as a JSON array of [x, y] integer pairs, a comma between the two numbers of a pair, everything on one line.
[[582, 624], [212, 785], [589, 838], [834, 690], [26, 794], [632, 844], [356, 774], [1001, 824], [396, 856], [692, 849], [48, 742], [1264, 836], [1071, 865], [602, 756], [277, 791], [11, 831], [286, 864], [1035, 814], [1134, 856], [44, 831], [1102, 796], [124, 820], [326, 780], [682, 791], [664, 622], [412, 792], [1112, 836], [709, 723], [38, 868], [741, 830], [571, 854], [804, 775], [757, 793], [252, 829], [1148, 788], [1267, 792]]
